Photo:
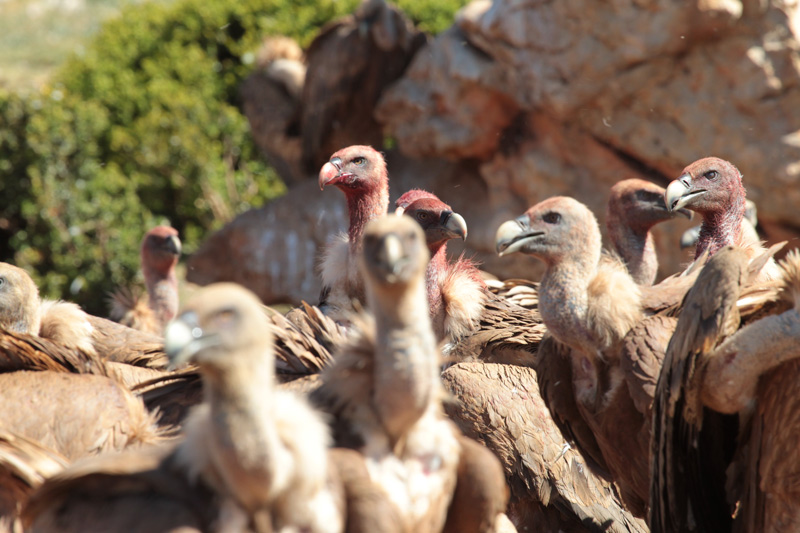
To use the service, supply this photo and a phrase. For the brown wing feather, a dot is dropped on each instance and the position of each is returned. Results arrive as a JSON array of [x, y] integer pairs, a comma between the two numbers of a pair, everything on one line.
[[690, 452], [551, 485], [137, 491]]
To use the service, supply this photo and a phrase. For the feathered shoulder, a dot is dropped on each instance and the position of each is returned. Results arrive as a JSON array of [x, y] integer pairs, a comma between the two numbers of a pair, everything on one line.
[[464, 293], [333, 266], [67, 324], [614, 301]]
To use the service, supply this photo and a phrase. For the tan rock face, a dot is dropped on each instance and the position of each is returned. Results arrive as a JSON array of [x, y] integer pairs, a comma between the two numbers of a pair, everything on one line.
[[525, 99]]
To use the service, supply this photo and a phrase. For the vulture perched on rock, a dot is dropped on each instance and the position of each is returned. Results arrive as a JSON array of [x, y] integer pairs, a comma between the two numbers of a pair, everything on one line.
[[712, 187], [595, 310], [725, 419], [161, 249], [385, 392], [634, 207], [360, 173], [252, 458]]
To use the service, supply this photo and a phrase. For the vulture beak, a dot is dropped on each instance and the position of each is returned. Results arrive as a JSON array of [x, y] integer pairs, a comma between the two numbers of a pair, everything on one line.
[[391, 257], [331, 173], [454, 224], [660, 206], [681, 192], [513, 235], [183, 338], [173, 245]]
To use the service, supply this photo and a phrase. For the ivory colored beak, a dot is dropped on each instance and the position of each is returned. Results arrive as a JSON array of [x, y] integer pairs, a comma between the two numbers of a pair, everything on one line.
[[178, 339], [680, 193], [511, 237], [456, 225]]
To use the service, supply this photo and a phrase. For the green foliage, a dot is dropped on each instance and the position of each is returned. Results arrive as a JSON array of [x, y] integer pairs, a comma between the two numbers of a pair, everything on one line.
[[432, 16], [143, 128]]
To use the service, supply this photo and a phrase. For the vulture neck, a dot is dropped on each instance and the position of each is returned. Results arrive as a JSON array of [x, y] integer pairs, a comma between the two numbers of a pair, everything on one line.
[[636, 247], [406, 361], [437, 267], [247, 446], [162, 292], [721, 228], [362, 207], [563, 300]]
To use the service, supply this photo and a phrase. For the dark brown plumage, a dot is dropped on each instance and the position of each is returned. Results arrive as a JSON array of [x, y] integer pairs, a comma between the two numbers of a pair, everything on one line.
[[160, 251], [709, 465], [553, 488], [350, 62]]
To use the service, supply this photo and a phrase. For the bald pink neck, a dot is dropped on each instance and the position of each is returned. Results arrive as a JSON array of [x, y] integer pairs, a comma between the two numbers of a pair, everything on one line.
[[437, 266], [363, 207], [723, 227], [162, 291]]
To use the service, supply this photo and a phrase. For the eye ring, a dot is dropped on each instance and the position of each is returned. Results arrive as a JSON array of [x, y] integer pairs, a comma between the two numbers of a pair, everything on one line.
[[359, 160], [422, 215], [711, 175]]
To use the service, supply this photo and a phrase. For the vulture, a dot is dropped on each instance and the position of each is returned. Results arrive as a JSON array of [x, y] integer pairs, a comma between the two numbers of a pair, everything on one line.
[[360, 173], [749, 224], [385, 393], [251, 458], [725, 424], [634, 207], [160, 251], [456, 291], [598, 318], [21, 311], [64, 323], [712, 187]]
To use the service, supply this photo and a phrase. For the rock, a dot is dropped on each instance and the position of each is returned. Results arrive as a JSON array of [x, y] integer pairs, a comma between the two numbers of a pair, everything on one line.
[[524, 99]]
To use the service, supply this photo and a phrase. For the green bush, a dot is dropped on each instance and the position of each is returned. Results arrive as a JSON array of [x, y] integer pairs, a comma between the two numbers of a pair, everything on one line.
[[144, 128]]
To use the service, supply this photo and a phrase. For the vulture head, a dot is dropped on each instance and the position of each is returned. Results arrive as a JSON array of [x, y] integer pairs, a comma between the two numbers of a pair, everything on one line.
[[640, 205], [220, 320], [437, 220], [409, 197], [355, 170], [709, 186], [161, 249], [19, 301], [394, 252], [557, 229]]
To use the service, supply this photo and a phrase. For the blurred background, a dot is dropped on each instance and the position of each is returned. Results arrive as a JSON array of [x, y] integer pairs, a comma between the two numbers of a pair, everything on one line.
[[215, 116]]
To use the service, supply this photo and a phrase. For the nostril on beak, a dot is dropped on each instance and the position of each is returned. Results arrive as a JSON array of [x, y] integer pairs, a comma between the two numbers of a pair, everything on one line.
[[337, 162]]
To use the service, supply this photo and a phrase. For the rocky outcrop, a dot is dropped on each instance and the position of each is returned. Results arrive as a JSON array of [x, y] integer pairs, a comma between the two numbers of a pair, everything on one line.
[[524, 99]]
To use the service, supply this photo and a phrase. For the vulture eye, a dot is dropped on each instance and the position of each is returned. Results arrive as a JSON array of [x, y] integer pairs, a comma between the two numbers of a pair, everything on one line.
[[552, 217], [711, 175], [359, 160], [422, 215], [2, 281]]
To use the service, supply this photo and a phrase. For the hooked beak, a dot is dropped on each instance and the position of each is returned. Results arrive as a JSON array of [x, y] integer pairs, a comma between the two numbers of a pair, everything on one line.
[[454, 224], [173, 245], [183, 338], [513, 235], [680, 193], [331, 173]]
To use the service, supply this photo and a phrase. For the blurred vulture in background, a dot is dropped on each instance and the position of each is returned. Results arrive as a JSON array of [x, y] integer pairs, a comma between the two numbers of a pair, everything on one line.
[[160, 252]]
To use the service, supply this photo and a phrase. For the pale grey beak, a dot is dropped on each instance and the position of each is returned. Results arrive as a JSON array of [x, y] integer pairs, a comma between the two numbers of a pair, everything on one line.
[[456, 225], [512, 236], [679, 192], [183, 338]]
